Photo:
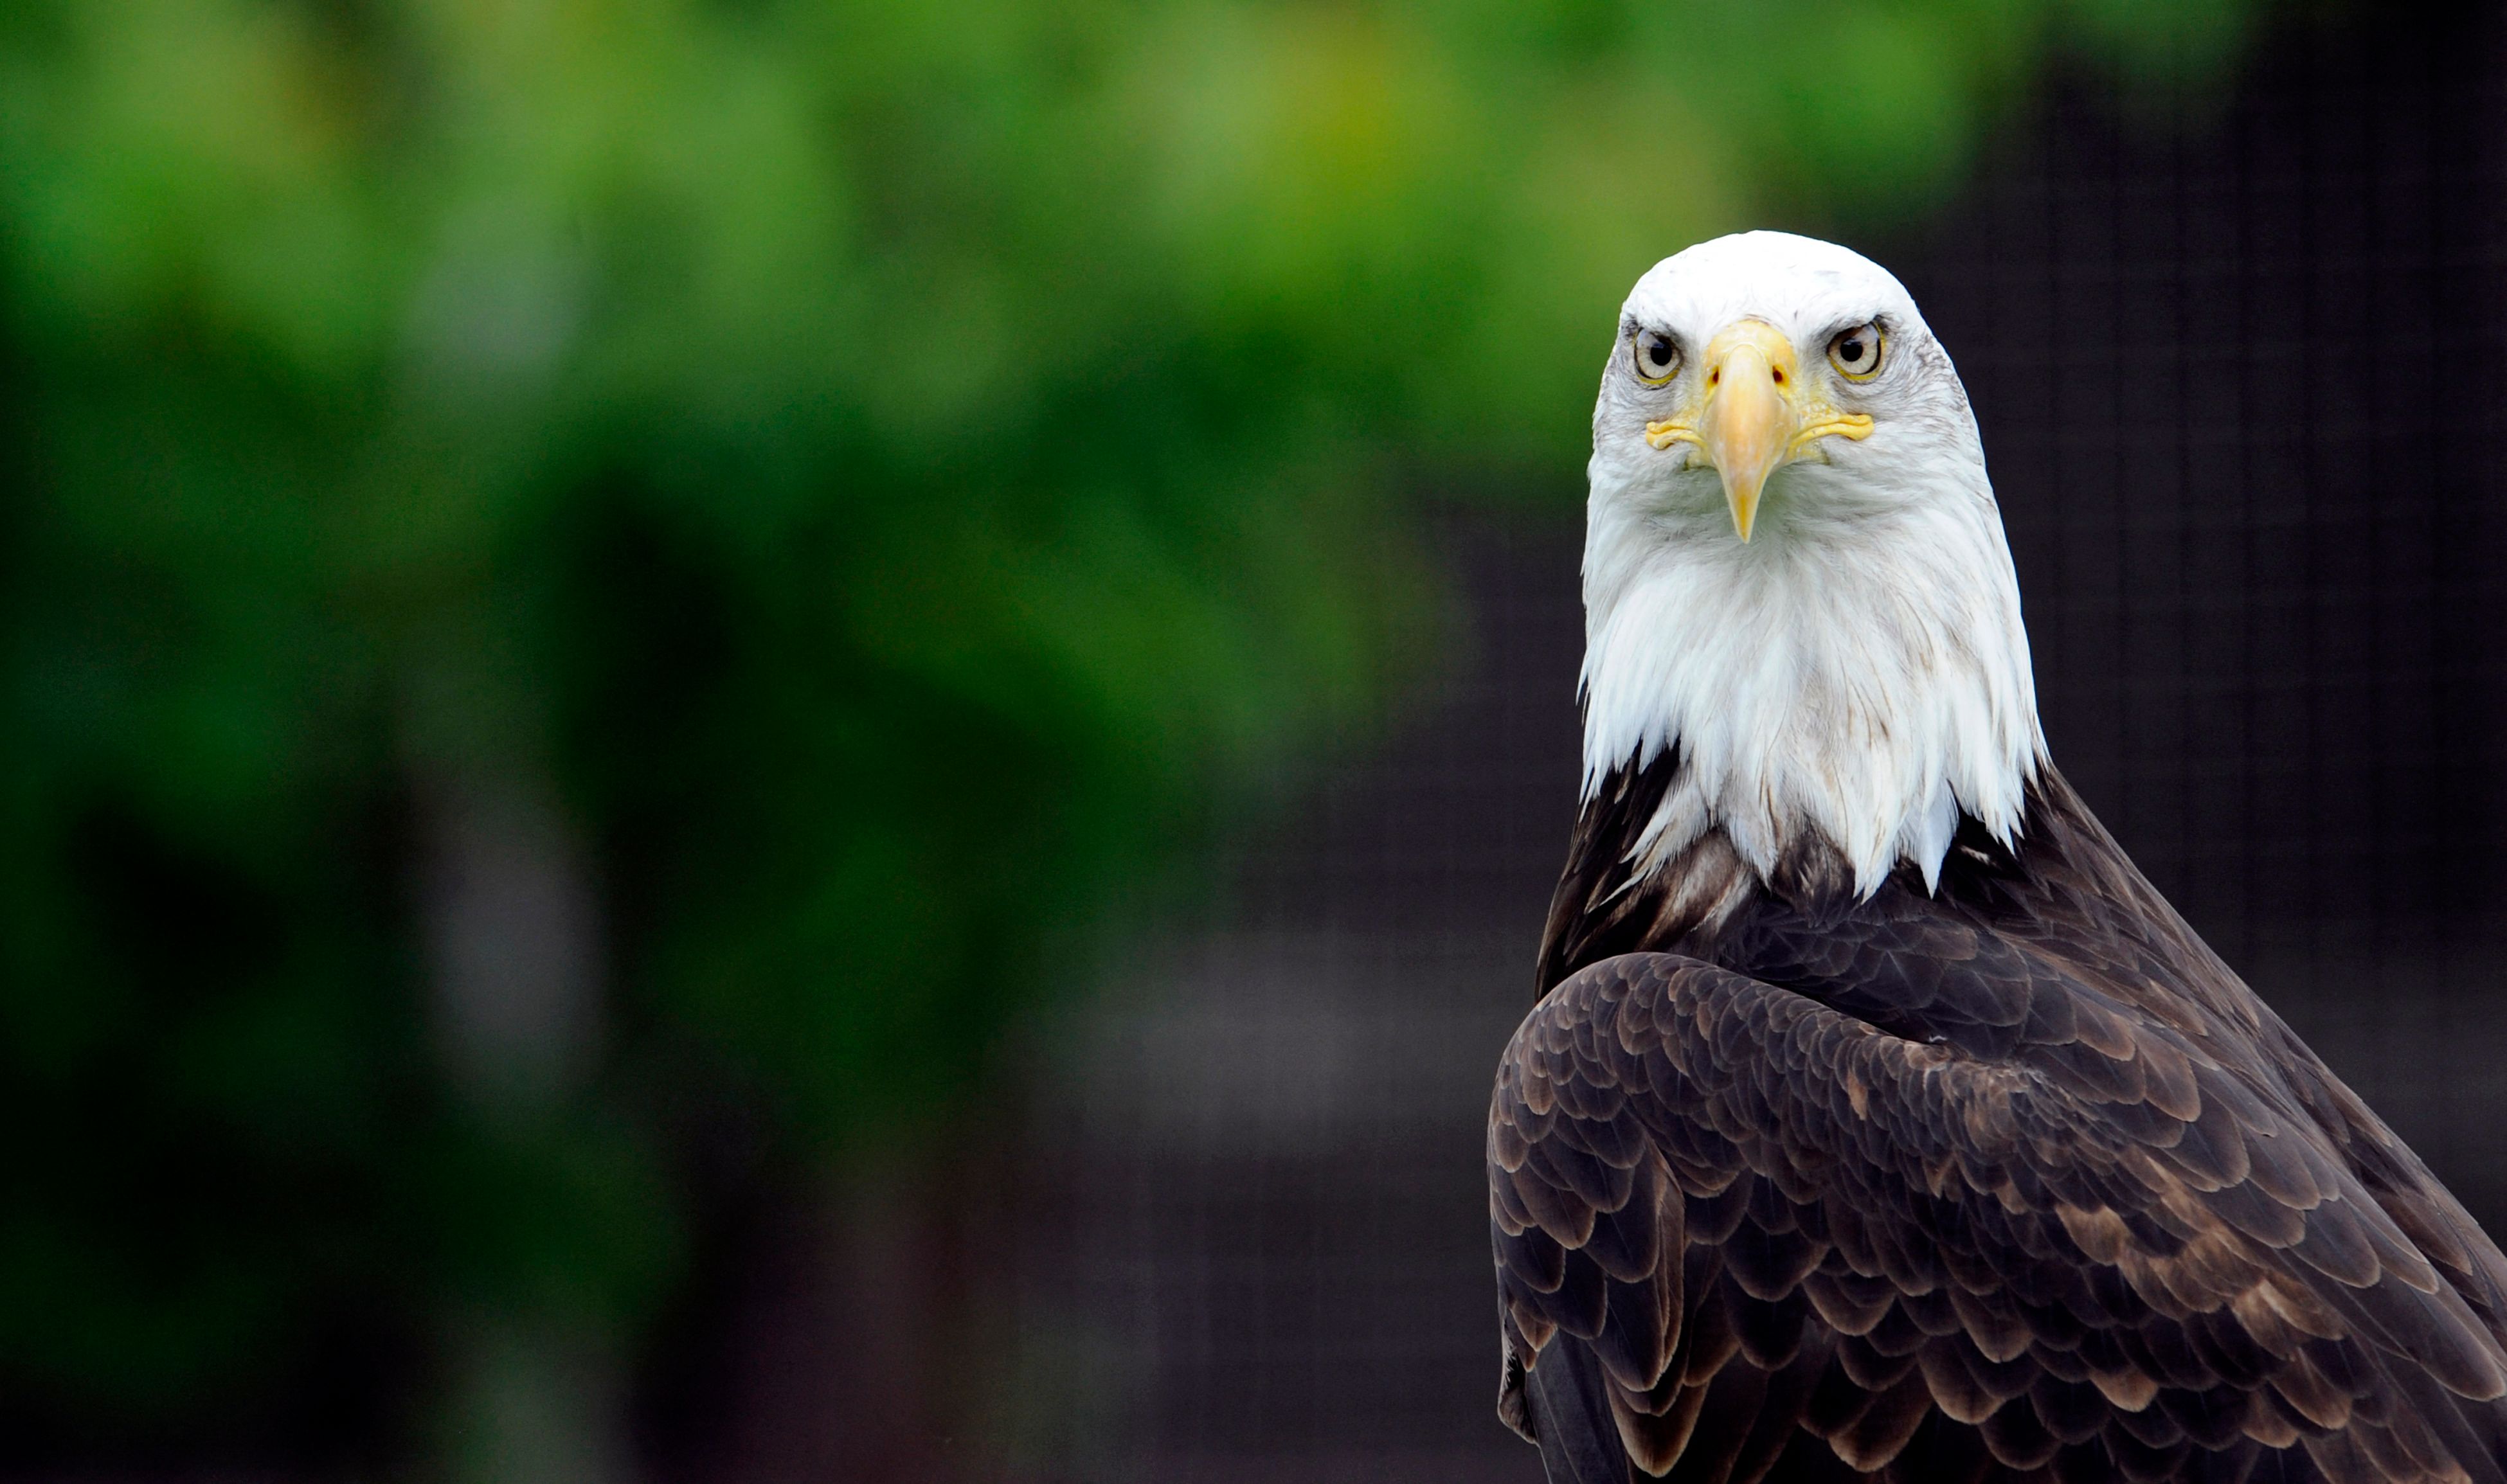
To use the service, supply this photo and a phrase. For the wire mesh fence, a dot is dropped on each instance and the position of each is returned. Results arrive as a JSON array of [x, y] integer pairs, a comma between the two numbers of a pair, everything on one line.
[[2238, 367]]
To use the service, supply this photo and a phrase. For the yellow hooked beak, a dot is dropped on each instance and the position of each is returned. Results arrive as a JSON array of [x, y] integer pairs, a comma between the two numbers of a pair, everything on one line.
[[1752, 414]]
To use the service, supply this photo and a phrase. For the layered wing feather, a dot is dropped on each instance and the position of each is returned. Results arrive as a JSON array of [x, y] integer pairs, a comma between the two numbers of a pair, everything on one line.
[[1950, 1207]]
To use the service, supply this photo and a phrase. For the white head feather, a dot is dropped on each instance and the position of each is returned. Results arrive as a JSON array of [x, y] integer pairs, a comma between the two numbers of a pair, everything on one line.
[[1857, 670]]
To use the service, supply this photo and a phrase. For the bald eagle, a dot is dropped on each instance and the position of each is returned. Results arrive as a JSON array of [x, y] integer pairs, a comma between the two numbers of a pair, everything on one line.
[[1877, 1117]]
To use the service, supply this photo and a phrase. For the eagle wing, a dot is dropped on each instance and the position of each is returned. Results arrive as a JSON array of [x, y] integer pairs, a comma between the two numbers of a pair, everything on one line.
[[1739, 1230]]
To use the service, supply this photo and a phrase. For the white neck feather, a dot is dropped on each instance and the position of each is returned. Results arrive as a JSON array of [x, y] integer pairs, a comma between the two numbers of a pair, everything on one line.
[[1861, 676]]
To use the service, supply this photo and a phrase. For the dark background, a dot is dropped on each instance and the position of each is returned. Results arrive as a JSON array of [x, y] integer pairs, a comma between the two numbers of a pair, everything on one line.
[[2240, 367]]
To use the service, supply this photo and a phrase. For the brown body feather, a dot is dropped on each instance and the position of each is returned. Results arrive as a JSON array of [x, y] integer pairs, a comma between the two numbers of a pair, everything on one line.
[[2011, 1180]]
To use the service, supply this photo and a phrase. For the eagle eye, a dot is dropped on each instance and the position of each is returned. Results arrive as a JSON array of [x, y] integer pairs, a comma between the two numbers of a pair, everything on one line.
[[1856, 353], [1657, 357]]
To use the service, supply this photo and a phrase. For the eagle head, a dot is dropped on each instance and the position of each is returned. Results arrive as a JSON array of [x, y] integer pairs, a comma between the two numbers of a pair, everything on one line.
[[1795, 578]]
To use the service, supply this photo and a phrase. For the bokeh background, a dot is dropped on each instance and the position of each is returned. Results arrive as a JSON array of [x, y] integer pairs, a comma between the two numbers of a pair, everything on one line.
[[776, 740]]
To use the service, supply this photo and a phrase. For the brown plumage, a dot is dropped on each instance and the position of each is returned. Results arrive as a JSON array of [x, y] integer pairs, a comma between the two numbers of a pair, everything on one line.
[[2009, 1180]]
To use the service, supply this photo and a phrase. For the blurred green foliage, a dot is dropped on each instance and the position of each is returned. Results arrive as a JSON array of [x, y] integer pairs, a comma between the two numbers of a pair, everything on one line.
[[866, 469]]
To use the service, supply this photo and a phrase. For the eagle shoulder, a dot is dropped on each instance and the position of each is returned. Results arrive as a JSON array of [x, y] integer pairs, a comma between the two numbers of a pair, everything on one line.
[[1987, 1219]]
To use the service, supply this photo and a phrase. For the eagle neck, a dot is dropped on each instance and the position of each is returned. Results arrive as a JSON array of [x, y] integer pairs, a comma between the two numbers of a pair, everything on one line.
[[1848, 688]]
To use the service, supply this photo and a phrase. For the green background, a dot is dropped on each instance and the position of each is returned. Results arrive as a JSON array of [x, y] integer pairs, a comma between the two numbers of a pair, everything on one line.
[[830, 491]]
